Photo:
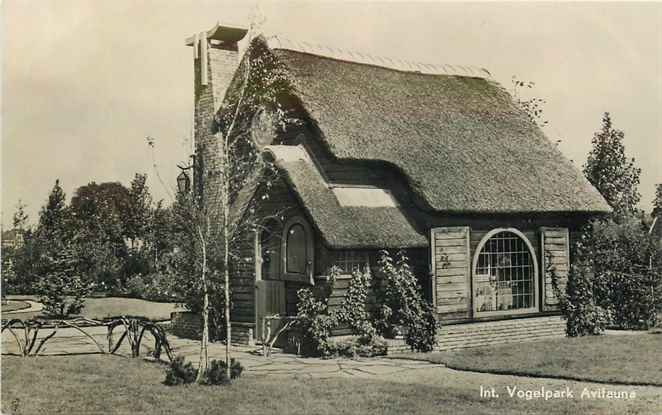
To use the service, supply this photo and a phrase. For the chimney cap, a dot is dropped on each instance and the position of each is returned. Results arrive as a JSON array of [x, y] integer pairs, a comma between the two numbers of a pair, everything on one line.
[[222, 32]]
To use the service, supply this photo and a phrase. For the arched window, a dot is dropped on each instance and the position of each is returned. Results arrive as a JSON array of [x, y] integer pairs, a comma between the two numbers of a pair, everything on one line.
[[505, 273], [297, 250], [269, 250]]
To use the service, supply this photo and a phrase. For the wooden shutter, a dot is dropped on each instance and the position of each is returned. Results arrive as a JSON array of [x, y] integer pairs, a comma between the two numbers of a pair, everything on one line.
[[451, 264], [555, 243]]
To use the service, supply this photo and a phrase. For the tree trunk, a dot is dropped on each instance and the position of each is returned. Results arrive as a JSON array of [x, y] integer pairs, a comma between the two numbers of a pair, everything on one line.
[[204, 342], [226, 274]]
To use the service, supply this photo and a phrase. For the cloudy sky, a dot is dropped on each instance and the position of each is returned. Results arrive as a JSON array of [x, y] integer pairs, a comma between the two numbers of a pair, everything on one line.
[[84, 81]]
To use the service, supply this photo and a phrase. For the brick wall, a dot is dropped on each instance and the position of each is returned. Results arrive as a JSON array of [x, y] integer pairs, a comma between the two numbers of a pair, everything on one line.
[[221, 65], [186, 324]]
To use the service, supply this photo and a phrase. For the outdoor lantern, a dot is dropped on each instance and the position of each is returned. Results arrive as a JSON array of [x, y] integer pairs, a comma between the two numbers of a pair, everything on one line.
[[183, 182]]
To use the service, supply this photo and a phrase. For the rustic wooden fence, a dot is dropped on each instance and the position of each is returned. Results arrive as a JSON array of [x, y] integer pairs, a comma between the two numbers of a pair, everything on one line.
[[134, 334]]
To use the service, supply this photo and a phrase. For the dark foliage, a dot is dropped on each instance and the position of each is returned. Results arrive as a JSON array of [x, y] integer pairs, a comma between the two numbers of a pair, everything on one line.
[[180, 372], [401, 304], [216, 373]]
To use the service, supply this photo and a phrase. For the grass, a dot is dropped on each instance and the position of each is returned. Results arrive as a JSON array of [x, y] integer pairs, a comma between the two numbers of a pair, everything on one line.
[[103, 384], [98, 308], [13, 305], [627, 359]]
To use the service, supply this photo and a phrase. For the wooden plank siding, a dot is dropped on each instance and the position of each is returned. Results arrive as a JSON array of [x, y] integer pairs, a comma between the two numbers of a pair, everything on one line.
[[555, 247], [451, 270]]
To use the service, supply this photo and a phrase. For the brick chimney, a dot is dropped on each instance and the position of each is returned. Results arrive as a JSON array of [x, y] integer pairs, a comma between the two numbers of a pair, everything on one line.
[[215, 59]]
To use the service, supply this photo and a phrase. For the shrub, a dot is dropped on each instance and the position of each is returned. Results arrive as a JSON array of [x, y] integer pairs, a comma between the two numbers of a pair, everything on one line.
[[314, 323], [356, 346], [135, 286], [627, 264], [583, 315], [61, 291], [216, 374], [180, 372], [159, 287], [353, 311], [401, 304]]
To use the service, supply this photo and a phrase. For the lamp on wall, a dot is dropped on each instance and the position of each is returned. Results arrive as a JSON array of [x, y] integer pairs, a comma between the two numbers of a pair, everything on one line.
[[183, 182], [183, 179]]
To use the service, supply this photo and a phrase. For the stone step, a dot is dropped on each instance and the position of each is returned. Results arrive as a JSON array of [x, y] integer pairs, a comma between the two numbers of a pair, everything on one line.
[[518, 335], [467, 345], [496, 333], [500, 324]]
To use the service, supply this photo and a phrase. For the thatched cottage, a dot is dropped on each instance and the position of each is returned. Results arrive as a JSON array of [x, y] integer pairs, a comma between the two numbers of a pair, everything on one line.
[[437, 160]]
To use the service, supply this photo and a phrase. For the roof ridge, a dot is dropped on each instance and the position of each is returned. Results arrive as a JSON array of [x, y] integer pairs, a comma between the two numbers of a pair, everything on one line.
[[279, 42]]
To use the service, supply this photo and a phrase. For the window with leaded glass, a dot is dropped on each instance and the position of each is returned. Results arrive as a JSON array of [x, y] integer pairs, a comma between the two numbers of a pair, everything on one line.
[[504, 274], [349, 261]]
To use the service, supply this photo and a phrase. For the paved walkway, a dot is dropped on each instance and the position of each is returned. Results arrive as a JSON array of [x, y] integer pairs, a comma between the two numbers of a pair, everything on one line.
[[70, 341], [34, 307]]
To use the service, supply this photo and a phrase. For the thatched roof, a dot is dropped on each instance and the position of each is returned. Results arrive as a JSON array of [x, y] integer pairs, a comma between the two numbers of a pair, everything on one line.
[[461, 142], [342, 226]]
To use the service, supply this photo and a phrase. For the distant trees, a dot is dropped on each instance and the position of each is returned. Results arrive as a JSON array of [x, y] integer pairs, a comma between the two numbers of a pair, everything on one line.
[[608, 169], [657, 202], [61, 289], [616, 275], [106, 235]]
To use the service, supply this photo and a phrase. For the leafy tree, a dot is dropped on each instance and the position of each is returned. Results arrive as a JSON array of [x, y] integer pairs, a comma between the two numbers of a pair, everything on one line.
[[98, 211], [159, 237], [608, 169], [62, 290], [20, 218], [657, 203], [139, 208], [54, 217]]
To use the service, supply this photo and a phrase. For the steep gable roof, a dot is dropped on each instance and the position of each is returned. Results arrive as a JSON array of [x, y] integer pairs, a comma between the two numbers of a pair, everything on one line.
[[461, 142]]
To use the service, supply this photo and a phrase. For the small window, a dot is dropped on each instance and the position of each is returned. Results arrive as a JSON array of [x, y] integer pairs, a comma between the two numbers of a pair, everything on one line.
[[296, 249], [351, 261]]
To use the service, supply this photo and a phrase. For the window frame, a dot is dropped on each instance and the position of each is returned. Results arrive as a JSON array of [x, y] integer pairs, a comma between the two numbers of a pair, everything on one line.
[[307, 276], [259, 259], [536, 276], [362, 255]]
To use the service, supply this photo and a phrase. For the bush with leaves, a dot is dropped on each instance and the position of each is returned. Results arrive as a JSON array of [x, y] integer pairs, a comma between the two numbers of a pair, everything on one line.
[[61, 291], [354, 310], [583, 316], [627, 263], [401, 304], [135, 286], [314, 323], [180, 372], [217, 375], [356, 346]]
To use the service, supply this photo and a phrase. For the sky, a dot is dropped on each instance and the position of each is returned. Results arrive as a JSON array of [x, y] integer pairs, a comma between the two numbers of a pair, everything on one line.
[[85, 81]]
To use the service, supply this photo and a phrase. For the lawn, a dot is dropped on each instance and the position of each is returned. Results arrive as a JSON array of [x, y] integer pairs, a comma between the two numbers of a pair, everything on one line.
[[13, 305], [629, 359], [103, 384], [98, 308]]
